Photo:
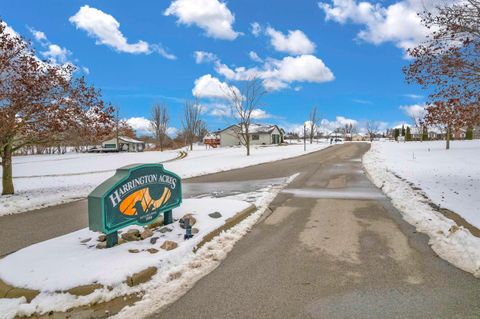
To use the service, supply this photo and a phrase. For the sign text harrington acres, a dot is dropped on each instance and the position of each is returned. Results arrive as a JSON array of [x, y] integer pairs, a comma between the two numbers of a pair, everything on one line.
[[118, 194]]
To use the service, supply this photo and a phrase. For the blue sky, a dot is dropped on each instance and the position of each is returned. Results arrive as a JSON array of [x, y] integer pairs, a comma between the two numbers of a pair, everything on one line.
[[345, 57]]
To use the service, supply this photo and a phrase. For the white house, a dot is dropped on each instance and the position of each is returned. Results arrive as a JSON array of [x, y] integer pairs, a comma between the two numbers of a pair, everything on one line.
[[260, 134], [126, 144]]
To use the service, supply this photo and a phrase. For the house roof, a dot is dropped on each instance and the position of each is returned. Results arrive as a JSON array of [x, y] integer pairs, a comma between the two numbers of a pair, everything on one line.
[[254, 128], [130, 140]]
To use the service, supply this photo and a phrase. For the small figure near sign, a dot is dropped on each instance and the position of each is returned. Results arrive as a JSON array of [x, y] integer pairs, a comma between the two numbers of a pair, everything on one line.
[[135, 195]]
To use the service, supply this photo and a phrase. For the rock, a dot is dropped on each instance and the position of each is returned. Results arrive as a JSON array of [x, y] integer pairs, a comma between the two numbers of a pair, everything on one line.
[[165, 229], [102, 245], [134, 231], [86, 240], [153, 240], [157, 223], [84, 290], [453, 229], [146, 233], [121, 241], [134, 251], [141, 277], [102, 238], [169, 245], [215, 215], [131, 235], [195, 231], [190, 218], [152, 250], [174, 275]]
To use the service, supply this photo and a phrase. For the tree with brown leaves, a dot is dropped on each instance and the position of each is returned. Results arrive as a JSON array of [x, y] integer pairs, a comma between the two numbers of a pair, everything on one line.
[[448, 65], [40, 102]]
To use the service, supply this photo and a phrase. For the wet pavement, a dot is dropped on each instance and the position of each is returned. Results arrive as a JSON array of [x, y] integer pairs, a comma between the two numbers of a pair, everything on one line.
[[332, 247]]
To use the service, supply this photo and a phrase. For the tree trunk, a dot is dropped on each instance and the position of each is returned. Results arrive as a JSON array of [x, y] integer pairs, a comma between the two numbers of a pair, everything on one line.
[[247, 142], [7, 179], [448, 138]]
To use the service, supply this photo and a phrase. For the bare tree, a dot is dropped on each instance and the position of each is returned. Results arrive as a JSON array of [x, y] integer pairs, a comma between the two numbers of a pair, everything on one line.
[[313, 122], [372, 129], [202, 130], [191, 121], [243, 102], [159, 123], [348, 131]]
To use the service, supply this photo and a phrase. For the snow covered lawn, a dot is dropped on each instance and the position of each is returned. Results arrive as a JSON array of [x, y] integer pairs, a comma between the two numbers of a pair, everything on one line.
[[46, 180], [414, 173]]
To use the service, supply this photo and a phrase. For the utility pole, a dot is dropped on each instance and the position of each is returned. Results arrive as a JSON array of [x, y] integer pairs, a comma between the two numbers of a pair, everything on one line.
[[304, 137]]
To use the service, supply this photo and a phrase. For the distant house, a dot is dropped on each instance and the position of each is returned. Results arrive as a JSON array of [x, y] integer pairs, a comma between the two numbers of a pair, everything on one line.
[[260, 134], [126, 144]]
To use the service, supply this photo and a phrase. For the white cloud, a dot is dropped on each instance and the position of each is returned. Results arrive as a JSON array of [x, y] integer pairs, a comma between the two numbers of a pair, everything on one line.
[[258, 114], [212, 16], [254, 57], [256, 29], [397, 23], [295, 42], [141, 125], [106, 30], [220, 110], [204, 57], [85, 70], [208, 86], [278, 74], [414, 96], [38, 35], [160, 50], [56, 54], [415, 111], [172, 131]]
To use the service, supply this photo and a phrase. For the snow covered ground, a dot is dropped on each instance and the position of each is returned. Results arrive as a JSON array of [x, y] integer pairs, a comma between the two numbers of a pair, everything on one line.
[[76, 262], [46, 180], [414, 173]]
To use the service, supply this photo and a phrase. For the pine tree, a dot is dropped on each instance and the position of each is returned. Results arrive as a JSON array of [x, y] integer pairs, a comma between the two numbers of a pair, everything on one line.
[[469, 134], [408, 135]]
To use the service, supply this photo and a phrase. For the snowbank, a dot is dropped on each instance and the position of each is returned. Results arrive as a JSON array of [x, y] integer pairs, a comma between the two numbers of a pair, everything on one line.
[[47, 180], [57, 265], [414, 173], [78, 262]]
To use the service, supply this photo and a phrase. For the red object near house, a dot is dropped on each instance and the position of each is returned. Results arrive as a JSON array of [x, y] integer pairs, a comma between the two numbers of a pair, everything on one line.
[[212, 142]]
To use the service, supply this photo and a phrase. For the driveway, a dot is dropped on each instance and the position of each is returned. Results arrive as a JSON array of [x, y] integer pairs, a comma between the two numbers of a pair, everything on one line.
[[332, 247]]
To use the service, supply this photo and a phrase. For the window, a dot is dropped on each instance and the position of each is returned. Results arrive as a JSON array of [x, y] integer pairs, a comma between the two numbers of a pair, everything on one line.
[[255, 137]]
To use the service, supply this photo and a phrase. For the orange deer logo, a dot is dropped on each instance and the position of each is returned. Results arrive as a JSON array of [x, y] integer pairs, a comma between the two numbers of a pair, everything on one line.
[[140, 202]]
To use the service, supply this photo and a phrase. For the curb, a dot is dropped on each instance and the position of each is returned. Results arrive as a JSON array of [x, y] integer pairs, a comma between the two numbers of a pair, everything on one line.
[[229, 223]]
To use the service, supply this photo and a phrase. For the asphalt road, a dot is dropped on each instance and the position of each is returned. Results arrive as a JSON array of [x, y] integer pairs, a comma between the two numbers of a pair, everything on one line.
[[333, 247]]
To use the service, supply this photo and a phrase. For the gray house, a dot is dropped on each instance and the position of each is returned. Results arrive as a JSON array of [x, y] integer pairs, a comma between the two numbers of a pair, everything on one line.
[[260, 134], [126, 144]]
